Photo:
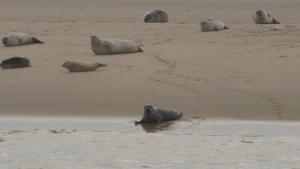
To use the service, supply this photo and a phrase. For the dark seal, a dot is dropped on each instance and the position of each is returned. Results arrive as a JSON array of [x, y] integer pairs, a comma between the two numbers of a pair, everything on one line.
[[158, 115], [15, 62]]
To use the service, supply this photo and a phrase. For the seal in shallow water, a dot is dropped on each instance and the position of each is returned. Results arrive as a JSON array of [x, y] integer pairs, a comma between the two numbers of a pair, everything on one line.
[[113, 46], [158, 115], [263, 17], [15, 62], [155, 16], [212, 25], [19, 38], [77, 66]]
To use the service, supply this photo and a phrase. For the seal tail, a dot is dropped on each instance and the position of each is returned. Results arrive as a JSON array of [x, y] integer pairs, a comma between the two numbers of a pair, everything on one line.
[[102, 65], [35, 40], [140, 49], [226, 27], [275, 22]]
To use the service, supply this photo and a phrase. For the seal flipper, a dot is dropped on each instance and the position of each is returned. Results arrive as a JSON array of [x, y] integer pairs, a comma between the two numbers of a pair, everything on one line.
[[20, 42], [274, 21], [108, 47], [140, 49], [226, 27], [138, 122], [35, 40], [180, 114]]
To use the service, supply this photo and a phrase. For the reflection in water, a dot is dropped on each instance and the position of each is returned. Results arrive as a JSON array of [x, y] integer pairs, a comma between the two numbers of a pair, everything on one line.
[[155, 128]]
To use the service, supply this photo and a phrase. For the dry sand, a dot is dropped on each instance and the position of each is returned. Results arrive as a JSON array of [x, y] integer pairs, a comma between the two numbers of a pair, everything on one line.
[[248, 72]]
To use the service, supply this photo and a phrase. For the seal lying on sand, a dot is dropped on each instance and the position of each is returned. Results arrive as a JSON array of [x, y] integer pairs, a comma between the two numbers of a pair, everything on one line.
[[15, 62], [19, 38], [262, 17], [212, 25], [76, 66], [158, 115], [155, 16], [113, 46]]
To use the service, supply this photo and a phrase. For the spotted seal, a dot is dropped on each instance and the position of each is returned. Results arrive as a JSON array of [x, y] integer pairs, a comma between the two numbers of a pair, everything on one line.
[[158, 115], [15, 62], [156, 15], [113, 46], [18, 39], [78, 66], [212, 25], [263, 17]]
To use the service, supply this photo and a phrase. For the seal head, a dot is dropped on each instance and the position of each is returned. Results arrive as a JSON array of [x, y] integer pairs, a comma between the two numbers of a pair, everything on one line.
[[259, 12], [5, 41], [150, 115]]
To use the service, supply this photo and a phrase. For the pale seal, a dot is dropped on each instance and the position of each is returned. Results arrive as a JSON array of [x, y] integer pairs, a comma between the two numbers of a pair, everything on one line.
[[77, 66], [19, 38], [113, 46], [156, 16], [158, 115], [15, 62], [212, 25], [263, 17]]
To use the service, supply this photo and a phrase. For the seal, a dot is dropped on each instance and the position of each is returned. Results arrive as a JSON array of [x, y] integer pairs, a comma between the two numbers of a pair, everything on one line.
[[19, 38], [77, 66], [212, 25], [158, 115], [156, 15], [263, 17], [15, 62], [113, 46]]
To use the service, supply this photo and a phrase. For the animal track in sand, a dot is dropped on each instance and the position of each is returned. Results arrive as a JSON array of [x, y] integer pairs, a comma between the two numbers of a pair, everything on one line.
[[248, 34], [279, 104], [126, 68], [167, 71]]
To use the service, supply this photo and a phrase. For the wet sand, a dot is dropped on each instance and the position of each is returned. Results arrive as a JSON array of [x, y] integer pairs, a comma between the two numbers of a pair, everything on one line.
[[54, 144]]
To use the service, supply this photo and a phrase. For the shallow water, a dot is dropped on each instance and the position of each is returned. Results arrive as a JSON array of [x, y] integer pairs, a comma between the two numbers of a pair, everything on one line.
[[118, 143]]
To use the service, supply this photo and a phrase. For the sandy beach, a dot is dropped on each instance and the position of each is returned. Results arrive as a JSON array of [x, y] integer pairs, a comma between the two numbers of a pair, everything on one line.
[[248, 72]]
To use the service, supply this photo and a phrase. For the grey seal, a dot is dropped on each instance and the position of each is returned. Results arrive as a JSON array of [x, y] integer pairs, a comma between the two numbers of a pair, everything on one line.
[[156, 15], [212, 25], [263, 17], [18, 39], [78, 66], [158, 115], [15, 62], [113, 46]]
